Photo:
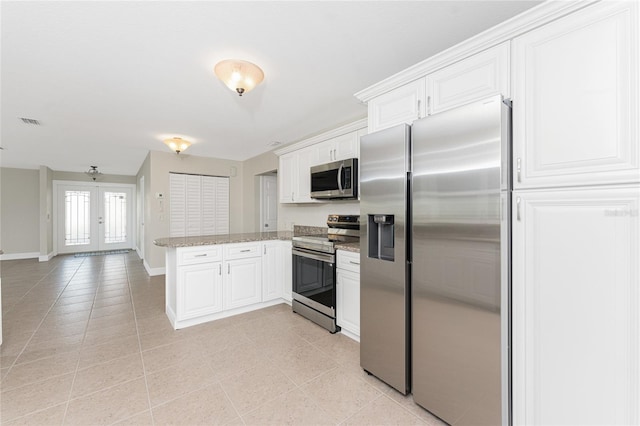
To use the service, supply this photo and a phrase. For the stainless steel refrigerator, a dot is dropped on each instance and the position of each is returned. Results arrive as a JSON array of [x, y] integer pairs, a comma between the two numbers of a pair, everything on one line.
[[453, 217]]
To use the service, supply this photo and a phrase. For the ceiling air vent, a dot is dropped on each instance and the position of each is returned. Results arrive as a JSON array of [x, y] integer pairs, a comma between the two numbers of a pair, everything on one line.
[[30, 121]]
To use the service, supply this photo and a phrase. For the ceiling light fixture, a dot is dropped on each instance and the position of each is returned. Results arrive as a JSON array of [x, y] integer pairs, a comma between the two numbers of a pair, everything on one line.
[[93, 173], [240, 76], [177, 144]]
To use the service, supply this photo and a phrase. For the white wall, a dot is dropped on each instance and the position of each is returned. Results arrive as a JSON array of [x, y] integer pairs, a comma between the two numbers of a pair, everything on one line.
[[20, 212], [252, 168], [46, 212]]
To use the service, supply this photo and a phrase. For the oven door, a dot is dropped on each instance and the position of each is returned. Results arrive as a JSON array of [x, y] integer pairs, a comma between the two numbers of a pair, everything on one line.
[[314, 280]]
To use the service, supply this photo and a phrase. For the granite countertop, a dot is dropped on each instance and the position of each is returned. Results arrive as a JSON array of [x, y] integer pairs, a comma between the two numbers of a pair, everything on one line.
[[207, 240], [354, 247]]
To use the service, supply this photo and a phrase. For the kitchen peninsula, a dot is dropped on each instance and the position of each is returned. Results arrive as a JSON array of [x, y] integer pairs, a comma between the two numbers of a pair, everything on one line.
[[215, 276]]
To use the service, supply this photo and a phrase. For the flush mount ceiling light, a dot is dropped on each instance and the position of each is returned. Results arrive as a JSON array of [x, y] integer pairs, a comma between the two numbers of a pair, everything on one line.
[[177, 144], [240, 76], [93, 173]]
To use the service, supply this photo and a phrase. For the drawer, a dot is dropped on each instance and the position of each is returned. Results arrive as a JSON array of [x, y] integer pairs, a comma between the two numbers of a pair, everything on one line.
[[348, 261], [200, 254], [241, 251]]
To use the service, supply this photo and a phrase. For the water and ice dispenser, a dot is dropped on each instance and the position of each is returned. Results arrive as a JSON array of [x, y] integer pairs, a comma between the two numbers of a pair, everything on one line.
[[381, 232]]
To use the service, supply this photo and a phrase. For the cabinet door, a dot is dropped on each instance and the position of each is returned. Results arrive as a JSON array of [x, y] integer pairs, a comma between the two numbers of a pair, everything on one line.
[[272, 271], [243, 282], [199, 290], [402, 105], [288, 177], [348, 301], [575, 99], [303, 191], [323, 152], [346, 146], [576, 304], [287, 281], [477, 77]]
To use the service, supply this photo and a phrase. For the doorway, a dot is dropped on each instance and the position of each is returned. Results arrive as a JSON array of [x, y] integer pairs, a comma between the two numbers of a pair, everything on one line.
[[93, 217], [268, 202]]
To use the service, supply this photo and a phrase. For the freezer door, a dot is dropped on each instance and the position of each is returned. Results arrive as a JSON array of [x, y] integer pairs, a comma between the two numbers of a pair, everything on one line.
[[383, 284], [456, 279]]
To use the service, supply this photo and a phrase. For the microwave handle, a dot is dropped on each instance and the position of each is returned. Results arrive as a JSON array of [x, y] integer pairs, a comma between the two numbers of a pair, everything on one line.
[[340, 177]]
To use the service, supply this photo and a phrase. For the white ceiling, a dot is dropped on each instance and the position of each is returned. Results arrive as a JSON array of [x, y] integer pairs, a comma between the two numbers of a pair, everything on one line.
[[109, 80]]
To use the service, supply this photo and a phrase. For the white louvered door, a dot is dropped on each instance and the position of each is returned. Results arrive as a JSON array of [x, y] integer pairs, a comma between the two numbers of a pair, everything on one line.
[[222, 205], [177, 198], [193, 212], [199, 205]]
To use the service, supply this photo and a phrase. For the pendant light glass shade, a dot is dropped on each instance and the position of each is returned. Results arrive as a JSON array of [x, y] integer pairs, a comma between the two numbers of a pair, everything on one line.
[[177, 144], [239, 76]]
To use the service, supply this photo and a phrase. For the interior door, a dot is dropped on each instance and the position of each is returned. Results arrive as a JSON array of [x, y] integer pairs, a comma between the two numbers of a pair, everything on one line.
[[269, 204], [94, 218]]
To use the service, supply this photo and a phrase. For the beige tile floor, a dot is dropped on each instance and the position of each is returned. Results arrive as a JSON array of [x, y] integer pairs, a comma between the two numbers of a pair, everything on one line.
[[86, 342]]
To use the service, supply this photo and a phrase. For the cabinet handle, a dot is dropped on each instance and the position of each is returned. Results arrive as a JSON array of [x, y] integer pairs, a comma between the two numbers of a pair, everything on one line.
[[519, 169], [518, 209], [354, 263], [201, 255], [428, 105], [418, 109], [245, 251], [228, 268], [220, 269], [292, 196], [335, 155], [265, 249]]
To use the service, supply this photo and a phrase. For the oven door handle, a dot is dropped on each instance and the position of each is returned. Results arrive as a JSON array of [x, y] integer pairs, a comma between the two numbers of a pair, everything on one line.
[[328, 258]]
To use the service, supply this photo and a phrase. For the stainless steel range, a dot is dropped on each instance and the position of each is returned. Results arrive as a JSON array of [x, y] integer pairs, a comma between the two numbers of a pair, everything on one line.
[[314, 270]]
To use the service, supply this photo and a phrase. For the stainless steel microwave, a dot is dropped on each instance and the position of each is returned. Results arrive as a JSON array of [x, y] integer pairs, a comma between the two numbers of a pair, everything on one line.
[[338, 179]]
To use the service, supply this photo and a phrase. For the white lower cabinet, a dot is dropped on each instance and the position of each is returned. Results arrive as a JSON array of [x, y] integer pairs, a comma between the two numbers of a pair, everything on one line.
[[576, 304], [199, 290], [276, 270], [348, 292], [205, 283], [243, 282]]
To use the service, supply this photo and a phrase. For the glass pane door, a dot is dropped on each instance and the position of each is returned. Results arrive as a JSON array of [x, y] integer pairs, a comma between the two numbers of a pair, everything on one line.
[[94, 218], [115, 219]]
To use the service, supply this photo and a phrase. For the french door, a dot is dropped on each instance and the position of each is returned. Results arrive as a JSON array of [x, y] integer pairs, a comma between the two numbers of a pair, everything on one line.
[[94, 217]]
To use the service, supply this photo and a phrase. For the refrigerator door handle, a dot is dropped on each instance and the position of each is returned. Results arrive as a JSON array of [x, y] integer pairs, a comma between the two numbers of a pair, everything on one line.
[[519, 169], [518, 209]]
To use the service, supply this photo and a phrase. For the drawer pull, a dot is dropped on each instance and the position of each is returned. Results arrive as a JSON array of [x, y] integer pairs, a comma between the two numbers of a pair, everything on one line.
[[354, 263], [201, 255], [245, 251]]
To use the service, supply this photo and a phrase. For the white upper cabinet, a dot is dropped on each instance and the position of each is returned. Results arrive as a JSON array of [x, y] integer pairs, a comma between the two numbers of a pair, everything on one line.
[[294, 174], [288, 176], [339, 148], [576, 333], [402, 105], [575, 99], [477, 77]]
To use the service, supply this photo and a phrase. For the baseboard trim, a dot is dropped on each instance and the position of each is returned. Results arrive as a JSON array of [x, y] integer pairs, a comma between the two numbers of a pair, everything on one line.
[[139, 252], [46, 257], [153, 271], [17, 256]]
